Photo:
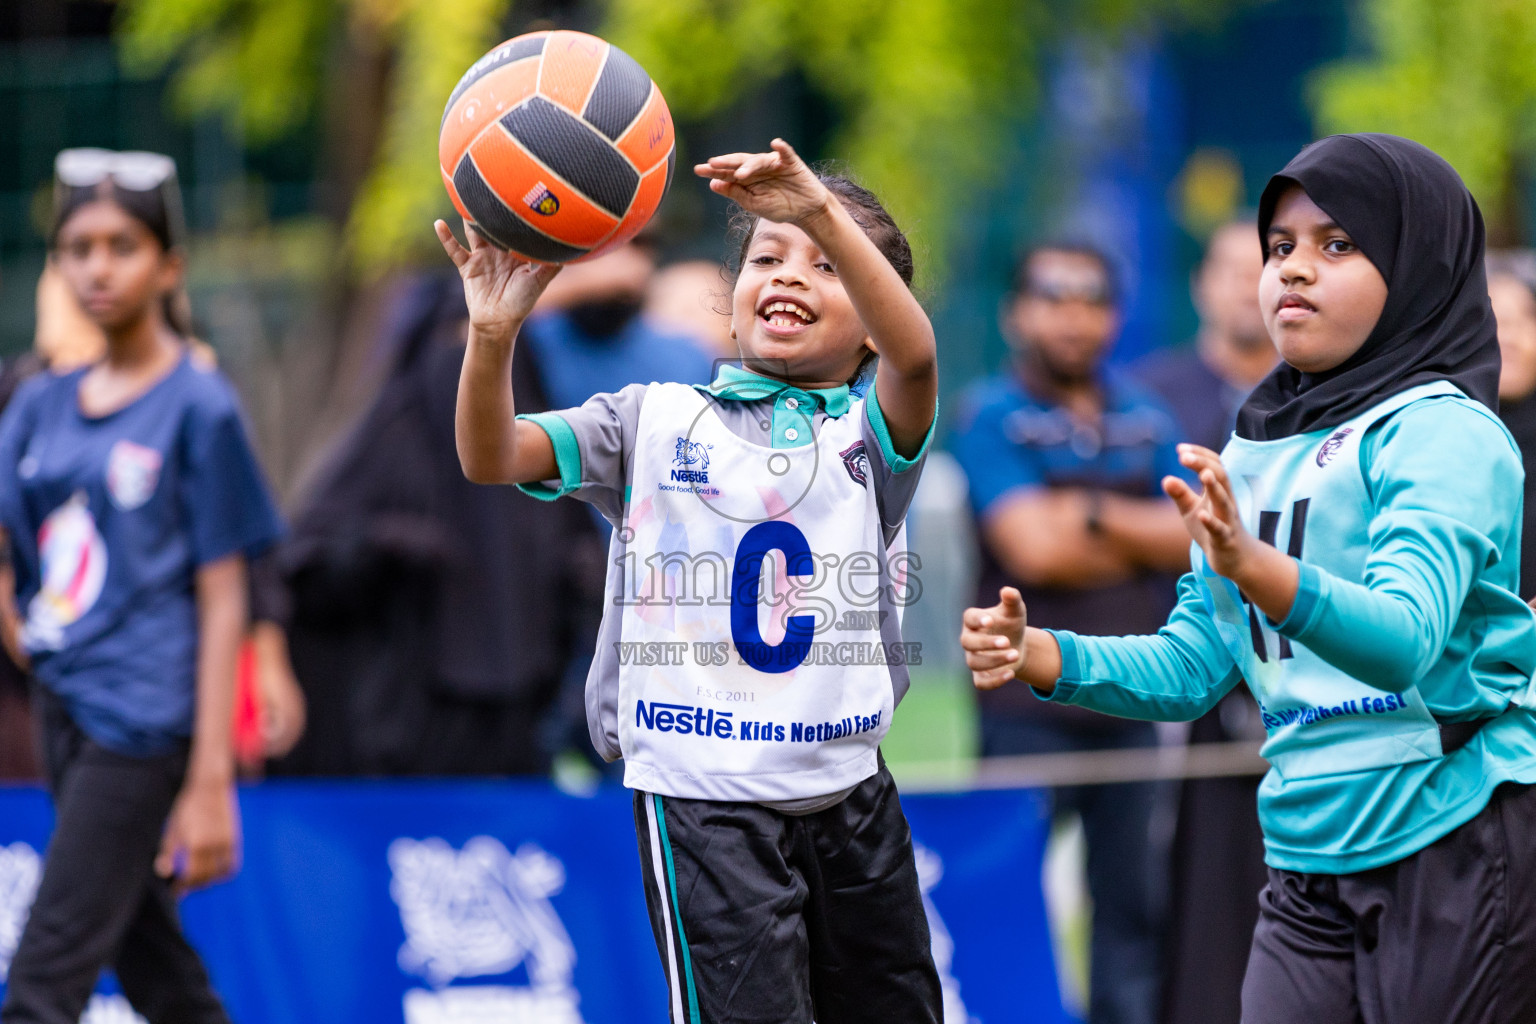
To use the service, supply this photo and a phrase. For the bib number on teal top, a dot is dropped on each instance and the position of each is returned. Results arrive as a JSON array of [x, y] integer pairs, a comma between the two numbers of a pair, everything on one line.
[[746, 593], [1269, 525]]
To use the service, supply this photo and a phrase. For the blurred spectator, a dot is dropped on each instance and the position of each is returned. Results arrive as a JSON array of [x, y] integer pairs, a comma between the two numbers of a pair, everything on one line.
[[1217, 867], [429, 619], [132, 501], [691, 298], [1204, 383], [64, 339], [588, 335], [1512, 287], [1064, 459]]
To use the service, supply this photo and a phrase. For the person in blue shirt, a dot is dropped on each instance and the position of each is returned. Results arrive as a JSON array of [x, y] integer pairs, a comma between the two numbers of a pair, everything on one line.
[[589, 334], [130, 501], [1356, 551], [1062, 457]]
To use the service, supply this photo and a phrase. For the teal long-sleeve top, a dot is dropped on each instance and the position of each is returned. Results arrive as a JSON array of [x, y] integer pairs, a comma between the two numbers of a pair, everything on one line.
[[1435, 611]]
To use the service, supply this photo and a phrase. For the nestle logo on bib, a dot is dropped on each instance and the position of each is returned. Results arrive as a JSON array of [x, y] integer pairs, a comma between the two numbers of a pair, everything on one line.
[[693, 456], [683, 719], [1331, 446]]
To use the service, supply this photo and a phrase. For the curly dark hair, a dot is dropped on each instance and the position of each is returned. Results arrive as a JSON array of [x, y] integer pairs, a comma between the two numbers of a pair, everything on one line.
[[867, 212], [862, 205]]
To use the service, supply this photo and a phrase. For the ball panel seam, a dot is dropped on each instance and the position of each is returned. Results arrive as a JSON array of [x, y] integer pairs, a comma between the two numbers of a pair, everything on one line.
[[618, 96], [576, 151], [500, 224], [509, 52]]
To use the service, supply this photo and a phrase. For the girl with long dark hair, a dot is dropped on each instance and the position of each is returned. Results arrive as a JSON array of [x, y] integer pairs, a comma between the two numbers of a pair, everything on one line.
[[130, 501]]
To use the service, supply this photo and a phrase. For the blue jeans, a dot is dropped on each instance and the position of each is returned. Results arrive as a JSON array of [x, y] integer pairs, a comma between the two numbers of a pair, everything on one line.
[[1127, 870]]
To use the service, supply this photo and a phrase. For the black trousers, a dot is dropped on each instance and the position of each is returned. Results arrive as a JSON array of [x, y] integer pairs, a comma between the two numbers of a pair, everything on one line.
[[1444, 936], [767, 917], [99, 903]]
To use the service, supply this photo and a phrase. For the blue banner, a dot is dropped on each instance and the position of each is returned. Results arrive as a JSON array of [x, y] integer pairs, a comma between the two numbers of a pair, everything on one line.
[[511, 902]]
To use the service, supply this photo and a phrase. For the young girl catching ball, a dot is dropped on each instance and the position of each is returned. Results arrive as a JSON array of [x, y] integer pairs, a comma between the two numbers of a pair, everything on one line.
[[1356, 551], [130, 500], [778, 865]]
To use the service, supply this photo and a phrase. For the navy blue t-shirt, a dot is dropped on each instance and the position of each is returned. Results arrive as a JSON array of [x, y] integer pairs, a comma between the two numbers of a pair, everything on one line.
[[109, 518]]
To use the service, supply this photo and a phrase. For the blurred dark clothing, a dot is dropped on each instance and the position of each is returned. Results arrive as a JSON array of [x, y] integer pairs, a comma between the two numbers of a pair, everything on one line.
[[18, 742], [15, 371], [1520, 419], [1008, 439], [18, 739], [430, 620], [1217, 866], [1204, 404], [1217, 872]]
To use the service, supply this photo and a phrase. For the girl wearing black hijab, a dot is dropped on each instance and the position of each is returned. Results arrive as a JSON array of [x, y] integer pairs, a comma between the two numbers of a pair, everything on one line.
[[1356, 556]]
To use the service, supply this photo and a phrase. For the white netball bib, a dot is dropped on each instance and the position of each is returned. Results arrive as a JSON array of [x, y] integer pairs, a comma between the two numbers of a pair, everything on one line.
[[1307, 495], [752, 665]]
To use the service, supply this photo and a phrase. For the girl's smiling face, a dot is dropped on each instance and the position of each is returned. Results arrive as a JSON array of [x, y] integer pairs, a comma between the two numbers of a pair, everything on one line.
[[1320, 295], [789, 313]]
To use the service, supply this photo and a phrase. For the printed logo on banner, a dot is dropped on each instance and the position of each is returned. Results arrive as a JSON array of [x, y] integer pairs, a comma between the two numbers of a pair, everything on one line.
[[110, 1010], [478, 913], [930, 869], [20, 869]]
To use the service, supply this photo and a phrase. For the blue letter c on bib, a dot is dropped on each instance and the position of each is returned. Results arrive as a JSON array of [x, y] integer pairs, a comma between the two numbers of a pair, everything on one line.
[[746, 583]]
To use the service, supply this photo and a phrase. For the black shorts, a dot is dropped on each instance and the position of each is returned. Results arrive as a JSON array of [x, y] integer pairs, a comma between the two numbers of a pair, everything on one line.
[[1444, 936], [761, 916]]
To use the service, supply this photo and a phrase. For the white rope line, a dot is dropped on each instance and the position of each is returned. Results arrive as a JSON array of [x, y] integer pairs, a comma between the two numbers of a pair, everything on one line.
[[1087, 768]]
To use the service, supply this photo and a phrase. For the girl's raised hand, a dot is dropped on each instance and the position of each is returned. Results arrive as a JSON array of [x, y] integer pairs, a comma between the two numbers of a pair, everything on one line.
[[775, 186], [993, 640], [1211, 517], [500, 287]]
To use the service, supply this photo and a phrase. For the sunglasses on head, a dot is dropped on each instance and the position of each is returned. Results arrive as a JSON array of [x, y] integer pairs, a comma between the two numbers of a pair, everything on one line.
[[135, 171]]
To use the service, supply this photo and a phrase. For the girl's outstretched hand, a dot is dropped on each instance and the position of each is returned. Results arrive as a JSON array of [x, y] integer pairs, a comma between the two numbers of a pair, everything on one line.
[[776, 186], [1211, 517], [993, 640], [500, 287]]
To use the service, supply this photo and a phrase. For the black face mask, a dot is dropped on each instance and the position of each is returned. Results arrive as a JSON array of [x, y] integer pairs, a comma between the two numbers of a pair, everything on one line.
[[604, 318], [1412, 217]]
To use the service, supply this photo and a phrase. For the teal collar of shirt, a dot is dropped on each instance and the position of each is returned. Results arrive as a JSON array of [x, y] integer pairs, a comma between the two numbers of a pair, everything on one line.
[[740, 384]]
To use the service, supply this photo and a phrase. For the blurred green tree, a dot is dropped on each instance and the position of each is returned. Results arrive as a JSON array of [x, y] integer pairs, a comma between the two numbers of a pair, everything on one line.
[[374, 72], [927, 90], [1460, 78]]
